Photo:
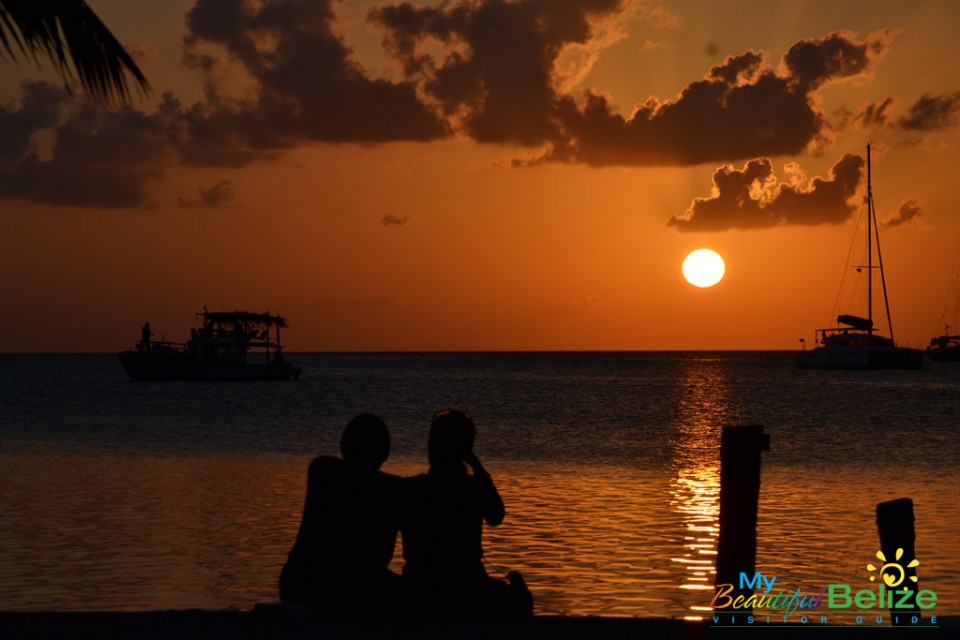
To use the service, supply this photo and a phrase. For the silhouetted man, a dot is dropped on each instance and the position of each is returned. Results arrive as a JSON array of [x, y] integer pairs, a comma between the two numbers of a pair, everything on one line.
[[340, 560], [145, 335]]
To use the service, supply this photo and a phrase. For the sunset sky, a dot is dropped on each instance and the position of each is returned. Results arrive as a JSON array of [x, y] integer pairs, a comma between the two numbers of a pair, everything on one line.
[[483, 174]]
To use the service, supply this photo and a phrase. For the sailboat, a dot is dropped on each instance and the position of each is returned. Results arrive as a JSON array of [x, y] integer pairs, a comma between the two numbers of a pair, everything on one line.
[[946, 346], [855, 342]]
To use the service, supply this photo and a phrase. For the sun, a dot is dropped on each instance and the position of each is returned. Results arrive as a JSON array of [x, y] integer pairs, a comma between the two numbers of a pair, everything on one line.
[[703, 268]]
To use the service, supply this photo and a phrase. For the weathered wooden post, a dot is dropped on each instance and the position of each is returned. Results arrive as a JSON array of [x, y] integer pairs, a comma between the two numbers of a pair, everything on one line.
[[740, 448], [895, 526]]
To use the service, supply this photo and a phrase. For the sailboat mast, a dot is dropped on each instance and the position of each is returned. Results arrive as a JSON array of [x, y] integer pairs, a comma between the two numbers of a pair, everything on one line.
[[875, 234], [883, 277], [869, 246]]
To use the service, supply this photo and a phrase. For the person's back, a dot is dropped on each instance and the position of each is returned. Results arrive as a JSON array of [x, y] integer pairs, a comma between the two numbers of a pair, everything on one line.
[[442, 533], [442, 542], [340, 560]]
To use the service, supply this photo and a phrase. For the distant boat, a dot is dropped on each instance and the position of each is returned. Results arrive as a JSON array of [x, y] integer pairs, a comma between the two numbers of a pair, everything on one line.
[[946, 347], [228, 345], [855, 343]]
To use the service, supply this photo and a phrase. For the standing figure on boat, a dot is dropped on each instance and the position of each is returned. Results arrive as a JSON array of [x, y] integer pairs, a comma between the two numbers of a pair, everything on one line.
[[145, 335], [340, 560], [442, 535]]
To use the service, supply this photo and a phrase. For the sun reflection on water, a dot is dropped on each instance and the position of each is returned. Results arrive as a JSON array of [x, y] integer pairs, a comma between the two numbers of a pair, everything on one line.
[[703, 407], [695, 495]]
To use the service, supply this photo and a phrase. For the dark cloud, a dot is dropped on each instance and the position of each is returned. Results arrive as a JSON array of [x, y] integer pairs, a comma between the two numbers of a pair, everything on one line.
[[208, 137], [933, 112], [218, 195], [497, 79], [812, 63], [875, 114], [754, 198], [39, 109], [590, 302], [278, 74], [929, 113], [743, 108], [908, 211], [494, 79], [305, 82], [395, 221], [56, 150]]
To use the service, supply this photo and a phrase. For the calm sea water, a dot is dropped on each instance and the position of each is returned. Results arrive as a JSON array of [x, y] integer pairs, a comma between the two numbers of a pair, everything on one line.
[[128, 496]]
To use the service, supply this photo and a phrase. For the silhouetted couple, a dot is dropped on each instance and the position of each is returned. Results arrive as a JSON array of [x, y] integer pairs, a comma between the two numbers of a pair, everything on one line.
[[353, 512]]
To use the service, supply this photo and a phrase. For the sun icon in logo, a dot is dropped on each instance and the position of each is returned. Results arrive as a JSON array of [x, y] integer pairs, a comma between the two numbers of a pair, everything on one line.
[[893, 573]]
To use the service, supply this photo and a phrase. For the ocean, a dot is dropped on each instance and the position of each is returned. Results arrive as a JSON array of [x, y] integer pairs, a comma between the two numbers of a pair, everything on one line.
[[125, 496]]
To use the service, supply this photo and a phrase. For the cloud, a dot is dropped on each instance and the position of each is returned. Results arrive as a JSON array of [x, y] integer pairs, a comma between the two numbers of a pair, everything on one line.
[[812, 63], [395, 221], [908, 211], [590, 302], [933, 112], [59, 151], [743, 108], [218, 195], [928, 113], [500, 85], [302, 81], [875, 114], [753, 198], [496, 79], [277, 75]]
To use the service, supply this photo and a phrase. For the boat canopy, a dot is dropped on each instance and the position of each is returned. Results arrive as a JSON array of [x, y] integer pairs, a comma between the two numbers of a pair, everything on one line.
[[246, 317], [856, 322]]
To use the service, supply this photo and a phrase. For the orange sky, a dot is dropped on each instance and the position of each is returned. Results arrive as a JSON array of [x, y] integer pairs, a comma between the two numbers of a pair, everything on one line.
[[484, 175]]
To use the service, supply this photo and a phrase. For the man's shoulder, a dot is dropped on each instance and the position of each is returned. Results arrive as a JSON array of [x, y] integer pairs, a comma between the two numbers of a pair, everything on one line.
[[324, 462], [324, 465]]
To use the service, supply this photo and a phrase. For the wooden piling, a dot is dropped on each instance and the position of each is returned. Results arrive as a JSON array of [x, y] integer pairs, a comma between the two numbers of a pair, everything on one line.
[[895, 526], [740, 448]]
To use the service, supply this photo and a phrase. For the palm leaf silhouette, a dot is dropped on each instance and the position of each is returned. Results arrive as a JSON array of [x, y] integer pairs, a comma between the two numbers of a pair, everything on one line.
[[63, 30]]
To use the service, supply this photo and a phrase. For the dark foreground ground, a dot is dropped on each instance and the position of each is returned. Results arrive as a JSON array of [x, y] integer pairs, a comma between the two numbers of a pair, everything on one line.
[[256, 625]]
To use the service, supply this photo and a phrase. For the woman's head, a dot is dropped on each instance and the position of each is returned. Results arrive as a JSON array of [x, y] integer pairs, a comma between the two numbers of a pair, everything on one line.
[[451, 438]]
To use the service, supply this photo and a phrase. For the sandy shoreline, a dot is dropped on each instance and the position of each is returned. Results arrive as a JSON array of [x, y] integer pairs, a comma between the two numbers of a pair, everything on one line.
[[189, 624]]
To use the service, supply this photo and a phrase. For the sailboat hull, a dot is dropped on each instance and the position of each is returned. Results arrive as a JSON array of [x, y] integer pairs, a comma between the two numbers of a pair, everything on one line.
[[840, 357]]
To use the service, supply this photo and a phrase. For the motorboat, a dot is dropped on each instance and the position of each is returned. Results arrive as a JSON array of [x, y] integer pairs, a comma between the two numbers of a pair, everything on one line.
[[228, 345]]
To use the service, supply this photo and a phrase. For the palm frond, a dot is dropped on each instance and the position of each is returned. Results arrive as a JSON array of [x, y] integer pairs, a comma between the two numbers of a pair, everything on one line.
[[62, 29]]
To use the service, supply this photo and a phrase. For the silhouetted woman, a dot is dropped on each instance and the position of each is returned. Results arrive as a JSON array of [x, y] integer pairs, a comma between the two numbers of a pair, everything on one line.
[[442, 535], [340, 559]]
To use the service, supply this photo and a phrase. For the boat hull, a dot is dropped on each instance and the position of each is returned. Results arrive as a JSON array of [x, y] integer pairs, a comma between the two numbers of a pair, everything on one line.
[[832, 357], [151, 366], [944, 355]]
